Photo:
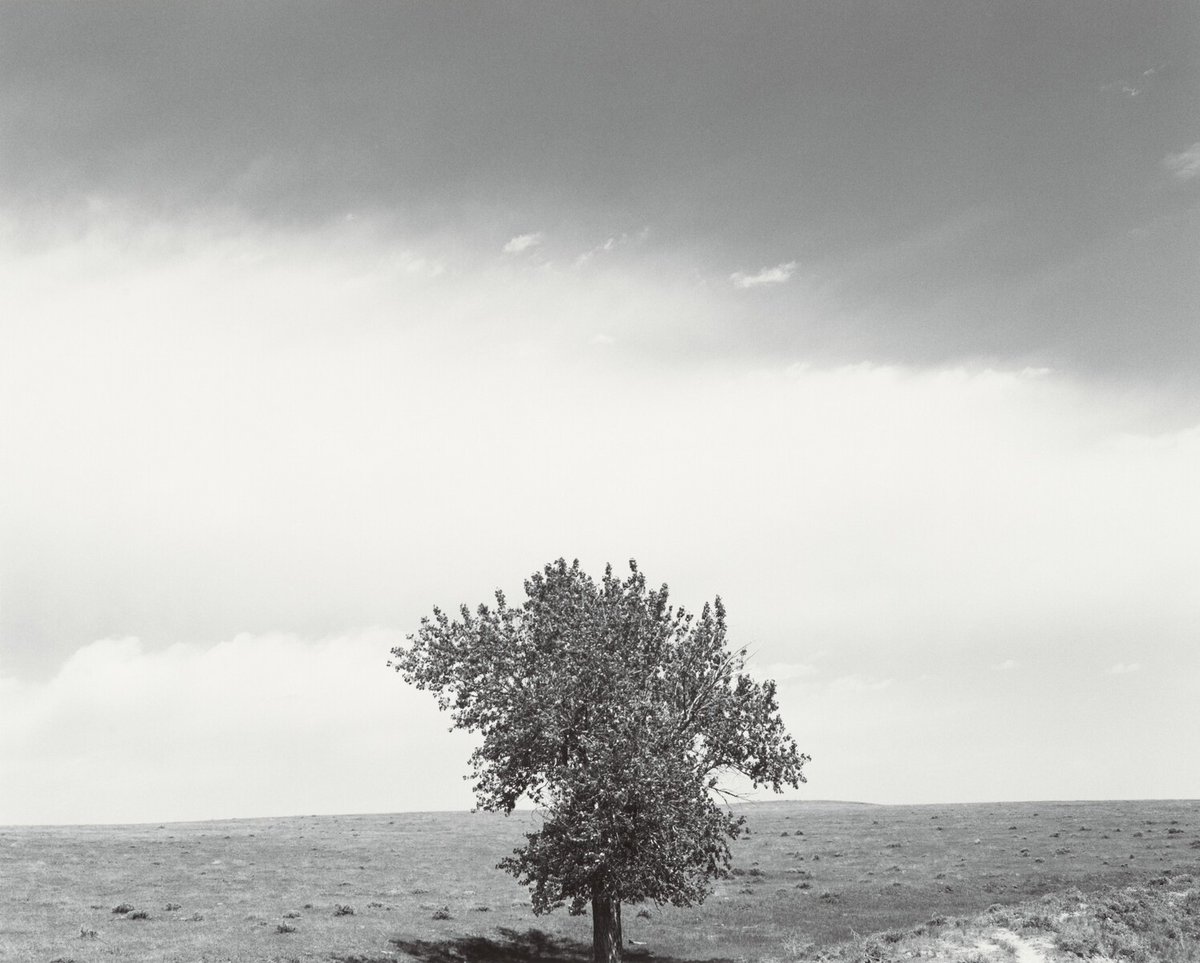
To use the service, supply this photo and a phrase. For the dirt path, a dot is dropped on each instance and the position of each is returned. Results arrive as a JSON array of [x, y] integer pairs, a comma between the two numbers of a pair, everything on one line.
[[1025, 951]]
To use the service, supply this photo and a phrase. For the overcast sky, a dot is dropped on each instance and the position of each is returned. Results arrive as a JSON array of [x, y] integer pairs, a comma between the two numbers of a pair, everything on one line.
[[878, 319]]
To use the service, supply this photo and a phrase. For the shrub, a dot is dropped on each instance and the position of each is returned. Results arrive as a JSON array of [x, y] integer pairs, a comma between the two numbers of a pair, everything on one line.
[[284, 928], [442, 914], [796, 946], [999, 915], [342, 910], [1083, 945], [139, 915], [122, 908]]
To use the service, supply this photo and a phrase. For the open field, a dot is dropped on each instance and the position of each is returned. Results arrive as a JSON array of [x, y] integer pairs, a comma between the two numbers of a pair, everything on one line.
[[808, 877]]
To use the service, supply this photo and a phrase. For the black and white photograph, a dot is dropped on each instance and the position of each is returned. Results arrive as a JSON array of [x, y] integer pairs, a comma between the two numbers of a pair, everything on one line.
[[628, 481]]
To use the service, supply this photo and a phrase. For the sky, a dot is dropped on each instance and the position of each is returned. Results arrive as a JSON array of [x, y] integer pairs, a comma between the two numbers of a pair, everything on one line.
[[876, 319]]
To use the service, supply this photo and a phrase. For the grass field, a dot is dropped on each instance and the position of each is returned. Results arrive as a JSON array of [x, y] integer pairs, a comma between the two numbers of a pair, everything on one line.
[[808, 877]]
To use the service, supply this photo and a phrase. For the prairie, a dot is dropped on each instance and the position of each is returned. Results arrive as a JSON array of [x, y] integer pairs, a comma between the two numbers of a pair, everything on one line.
[[809, 879]]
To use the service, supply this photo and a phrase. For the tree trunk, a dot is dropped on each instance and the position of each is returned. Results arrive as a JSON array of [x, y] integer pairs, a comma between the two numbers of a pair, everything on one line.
[[606, 929]]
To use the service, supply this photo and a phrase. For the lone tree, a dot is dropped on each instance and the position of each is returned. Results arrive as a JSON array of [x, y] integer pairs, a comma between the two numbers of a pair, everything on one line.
[[616, 714]]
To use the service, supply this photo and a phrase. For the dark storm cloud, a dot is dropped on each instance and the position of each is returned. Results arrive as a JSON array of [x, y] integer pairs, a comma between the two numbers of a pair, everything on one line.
[[964, 179]]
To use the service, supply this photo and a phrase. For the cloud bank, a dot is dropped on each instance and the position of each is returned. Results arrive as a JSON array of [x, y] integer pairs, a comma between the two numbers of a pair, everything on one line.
[[256, 724], [231, 433], [582, 127]]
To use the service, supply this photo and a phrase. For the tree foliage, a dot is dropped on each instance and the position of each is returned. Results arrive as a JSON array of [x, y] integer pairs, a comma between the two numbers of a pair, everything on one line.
[[618, 715]]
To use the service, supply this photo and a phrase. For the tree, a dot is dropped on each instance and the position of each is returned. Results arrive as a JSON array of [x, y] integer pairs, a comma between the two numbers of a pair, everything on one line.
[[617, 715]]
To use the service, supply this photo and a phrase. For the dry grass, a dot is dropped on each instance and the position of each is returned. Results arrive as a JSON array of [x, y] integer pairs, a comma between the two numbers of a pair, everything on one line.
[[810, 878], [1146, 923]]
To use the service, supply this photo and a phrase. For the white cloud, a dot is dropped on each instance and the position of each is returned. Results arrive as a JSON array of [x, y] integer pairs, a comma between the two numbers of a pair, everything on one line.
[[523, 242], [220, 430], [778, 274], [1007, 665], [269, 724], [611, 243], [1185, 165], [1123, 668], [604, 247]]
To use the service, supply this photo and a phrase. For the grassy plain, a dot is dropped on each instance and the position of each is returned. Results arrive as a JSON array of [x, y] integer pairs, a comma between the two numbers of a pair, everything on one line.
[[807, 877]]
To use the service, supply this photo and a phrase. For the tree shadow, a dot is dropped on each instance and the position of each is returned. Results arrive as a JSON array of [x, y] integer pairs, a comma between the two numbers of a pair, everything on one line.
[[512, 946]]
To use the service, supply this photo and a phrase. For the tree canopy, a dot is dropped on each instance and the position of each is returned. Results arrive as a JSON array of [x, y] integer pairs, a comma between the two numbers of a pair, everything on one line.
[[619, 716]]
